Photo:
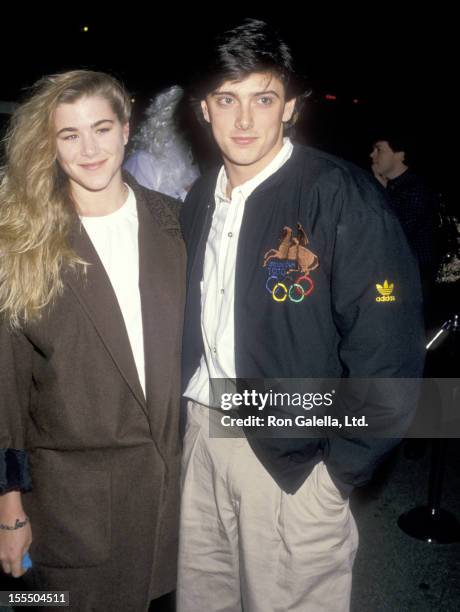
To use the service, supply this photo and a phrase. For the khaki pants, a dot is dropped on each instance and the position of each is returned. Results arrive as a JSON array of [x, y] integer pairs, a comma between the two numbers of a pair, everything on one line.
[[247, 545]]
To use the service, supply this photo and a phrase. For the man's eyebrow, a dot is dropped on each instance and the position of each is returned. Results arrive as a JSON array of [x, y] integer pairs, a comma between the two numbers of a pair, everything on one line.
[[223, 93], [265, 92], [94, 125]]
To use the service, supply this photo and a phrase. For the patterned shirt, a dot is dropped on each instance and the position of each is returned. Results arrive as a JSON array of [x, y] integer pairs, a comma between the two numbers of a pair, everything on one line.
[[416, 206]]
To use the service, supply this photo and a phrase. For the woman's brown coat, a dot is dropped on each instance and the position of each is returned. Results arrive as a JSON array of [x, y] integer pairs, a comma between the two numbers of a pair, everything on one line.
[[104, 460]]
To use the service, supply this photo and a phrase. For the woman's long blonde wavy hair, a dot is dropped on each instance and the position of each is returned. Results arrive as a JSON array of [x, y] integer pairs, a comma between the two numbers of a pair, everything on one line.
[[36, 208]]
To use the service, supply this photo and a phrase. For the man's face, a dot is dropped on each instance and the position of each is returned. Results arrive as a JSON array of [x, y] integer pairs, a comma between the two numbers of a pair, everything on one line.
[[90, 142], [384, 159], [247, 118]]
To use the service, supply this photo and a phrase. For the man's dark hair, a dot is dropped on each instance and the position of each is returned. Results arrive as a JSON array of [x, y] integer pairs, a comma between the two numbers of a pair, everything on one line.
[[399, 135], [252, 46], [396, 142]]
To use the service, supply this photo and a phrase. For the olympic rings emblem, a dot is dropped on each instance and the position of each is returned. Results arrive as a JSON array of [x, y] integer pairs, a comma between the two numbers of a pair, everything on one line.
[[296, 290]]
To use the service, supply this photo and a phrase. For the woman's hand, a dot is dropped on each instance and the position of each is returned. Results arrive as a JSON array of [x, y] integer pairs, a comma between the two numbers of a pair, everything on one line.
[[15, 534]]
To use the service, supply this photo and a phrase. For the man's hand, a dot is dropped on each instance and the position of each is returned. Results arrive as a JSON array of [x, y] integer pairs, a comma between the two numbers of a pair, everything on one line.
[[14, 539]]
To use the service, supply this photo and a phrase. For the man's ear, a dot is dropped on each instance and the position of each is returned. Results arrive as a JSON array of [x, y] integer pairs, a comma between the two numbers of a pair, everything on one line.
[[126, 133], [204, 108], [289, 110]]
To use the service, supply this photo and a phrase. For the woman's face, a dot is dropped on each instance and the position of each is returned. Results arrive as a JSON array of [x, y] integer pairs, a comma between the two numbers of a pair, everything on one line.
[[90, 142]]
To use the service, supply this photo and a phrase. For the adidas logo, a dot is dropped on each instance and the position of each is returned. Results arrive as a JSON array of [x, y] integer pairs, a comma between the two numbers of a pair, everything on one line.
[[385, 291]]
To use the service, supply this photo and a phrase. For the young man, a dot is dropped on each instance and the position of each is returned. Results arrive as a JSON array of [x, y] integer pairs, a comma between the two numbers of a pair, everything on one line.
[[91, 298], [265, 523]]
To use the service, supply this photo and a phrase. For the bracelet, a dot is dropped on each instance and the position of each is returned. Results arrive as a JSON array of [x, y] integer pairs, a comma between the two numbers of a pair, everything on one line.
[[17, 525]]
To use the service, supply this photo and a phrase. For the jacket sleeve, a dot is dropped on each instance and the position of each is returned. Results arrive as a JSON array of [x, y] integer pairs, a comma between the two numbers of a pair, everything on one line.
[[15, 380], [377, 307]]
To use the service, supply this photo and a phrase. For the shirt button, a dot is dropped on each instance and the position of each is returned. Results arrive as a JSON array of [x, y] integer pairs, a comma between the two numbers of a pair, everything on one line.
[[230, 234], [222, 291], [214, 349]]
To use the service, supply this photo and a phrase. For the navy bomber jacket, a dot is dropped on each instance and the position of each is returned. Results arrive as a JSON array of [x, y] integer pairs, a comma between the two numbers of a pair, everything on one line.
[[348, 306]]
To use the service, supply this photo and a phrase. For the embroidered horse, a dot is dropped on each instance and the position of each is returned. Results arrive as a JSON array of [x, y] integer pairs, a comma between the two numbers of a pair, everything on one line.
[[294, 249]]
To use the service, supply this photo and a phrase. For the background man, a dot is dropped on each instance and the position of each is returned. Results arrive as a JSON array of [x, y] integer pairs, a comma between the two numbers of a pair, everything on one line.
[[414, 202]]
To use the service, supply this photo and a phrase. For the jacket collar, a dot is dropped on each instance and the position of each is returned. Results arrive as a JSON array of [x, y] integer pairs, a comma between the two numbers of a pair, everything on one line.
[[210, 179]]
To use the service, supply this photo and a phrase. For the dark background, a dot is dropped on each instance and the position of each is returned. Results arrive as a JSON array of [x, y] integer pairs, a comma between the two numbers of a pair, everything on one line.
[[385, 66]]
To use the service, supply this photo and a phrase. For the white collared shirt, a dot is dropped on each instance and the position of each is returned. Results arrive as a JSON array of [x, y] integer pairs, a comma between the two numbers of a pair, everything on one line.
[[218, 284], [115, 238]]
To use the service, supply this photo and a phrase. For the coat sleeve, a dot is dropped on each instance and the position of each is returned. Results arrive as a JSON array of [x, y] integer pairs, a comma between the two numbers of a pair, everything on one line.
[[377, 308], [15, 381]]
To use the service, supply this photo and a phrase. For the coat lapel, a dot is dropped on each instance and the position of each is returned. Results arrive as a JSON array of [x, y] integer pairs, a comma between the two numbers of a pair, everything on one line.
[[97, 297], [162, 282]]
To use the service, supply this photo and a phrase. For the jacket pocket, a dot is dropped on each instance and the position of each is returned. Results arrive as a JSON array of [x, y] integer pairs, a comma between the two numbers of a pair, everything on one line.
[[70, 514]]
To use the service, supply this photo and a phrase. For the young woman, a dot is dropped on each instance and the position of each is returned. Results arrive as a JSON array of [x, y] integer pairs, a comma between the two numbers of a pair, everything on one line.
[[91, 302]]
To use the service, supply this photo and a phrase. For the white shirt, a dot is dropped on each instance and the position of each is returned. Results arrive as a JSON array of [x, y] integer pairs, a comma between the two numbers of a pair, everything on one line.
[[115, 238], [218, 285]]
